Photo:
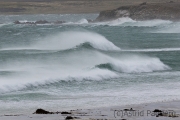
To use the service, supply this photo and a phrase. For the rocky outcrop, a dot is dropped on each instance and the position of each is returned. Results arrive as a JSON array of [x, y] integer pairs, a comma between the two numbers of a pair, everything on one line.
[[144, 11], [41, 111], [65, 113], [39, 22], [59, 22], [70, 118]]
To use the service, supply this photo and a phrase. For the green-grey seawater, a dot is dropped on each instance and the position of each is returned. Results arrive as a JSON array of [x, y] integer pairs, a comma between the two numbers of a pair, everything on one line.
[[86, 65]]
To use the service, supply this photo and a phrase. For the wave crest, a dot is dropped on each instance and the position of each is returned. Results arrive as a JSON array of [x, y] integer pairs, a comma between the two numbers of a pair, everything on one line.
[[47, 80], [69, 40], [135, 64]]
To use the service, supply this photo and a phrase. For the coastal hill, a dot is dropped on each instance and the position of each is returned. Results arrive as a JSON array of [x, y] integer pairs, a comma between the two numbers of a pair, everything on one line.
[[66, 6], [144, 11]]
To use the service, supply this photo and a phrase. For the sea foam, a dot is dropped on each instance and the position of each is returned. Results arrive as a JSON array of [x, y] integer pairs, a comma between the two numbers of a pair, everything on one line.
[[71, 39], [134, 64], [125, 21]]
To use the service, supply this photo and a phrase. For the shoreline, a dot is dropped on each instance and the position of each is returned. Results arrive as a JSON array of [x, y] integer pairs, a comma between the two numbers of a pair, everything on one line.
[[145, 111]]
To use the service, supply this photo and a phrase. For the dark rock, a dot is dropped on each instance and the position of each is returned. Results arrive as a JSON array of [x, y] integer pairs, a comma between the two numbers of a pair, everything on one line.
[[41, 22], [89, 20], [28, 23], [156, 110], [143, 11], [131, 109], [69, 118], [65, 113], [160, 114], [59, 22], [41, 111], [17, 22]]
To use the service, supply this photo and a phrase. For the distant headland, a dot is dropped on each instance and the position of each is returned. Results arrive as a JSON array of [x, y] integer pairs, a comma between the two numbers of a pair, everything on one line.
[[16, 7], [144, 11]]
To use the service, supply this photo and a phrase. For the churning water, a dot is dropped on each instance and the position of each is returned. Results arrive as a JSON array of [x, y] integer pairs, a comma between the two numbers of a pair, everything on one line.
[[86, 65]]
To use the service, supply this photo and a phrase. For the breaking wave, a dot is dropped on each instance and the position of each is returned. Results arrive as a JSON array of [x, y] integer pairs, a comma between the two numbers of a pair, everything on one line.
[[117, 22], [78, 66], [53, 77], [69, 40], [134, 64]]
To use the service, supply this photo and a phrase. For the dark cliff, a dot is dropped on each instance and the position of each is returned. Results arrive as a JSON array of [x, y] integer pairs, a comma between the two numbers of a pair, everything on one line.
[[144, 11]]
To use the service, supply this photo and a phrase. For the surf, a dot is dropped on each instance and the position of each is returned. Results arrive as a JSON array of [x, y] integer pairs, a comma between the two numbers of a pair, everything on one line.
[[153, 50], [134, 64], [70, 40]]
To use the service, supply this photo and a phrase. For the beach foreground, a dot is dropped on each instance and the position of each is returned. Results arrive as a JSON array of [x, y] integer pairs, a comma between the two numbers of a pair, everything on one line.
[[149, 111]]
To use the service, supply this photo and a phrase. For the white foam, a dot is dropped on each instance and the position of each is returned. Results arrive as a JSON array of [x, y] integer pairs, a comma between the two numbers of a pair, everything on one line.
[[42, 77], [151, 23], [71, 39], [83, 21], [77, 67], [120, 21], [117, 22], [125, 21], [153, 50], [95, 95], [73, 66], [80, 22], [137, 64]]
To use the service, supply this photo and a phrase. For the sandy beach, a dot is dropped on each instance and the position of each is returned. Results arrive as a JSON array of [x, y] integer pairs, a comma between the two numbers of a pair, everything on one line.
[[170, 110]]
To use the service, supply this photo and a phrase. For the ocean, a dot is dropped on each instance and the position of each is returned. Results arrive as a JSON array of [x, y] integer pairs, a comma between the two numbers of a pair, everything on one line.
[[81, 65]]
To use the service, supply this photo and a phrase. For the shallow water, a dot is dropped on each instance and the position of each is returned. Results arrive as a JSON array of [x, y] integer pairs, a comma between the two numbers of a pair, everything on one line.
[[86, 65]]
